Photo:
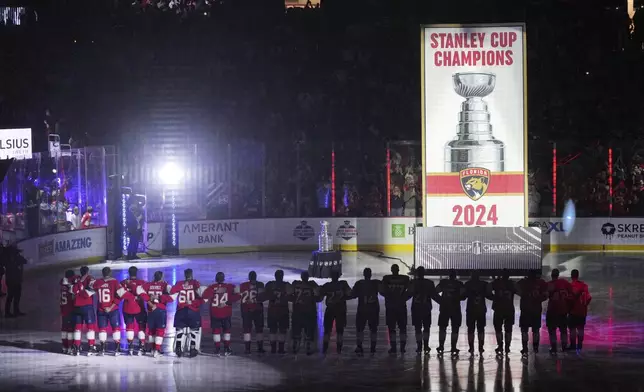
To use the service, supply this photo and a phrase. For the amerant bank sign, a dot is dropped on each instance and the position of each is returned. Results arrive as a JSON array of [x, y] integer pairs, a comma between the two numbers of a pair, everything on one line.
[[208, 232]]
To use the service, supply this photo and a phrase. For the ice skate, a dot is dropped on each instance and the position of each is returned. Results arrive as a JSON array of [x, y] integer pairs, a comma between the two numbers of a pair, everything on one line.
[[75, 351], [101, 349], [228, 352], [156, 353], [440, 350], [499, 351], [193, 352], [524, 353], [427, 350], [359, 351], [455, 352], [117, 349]]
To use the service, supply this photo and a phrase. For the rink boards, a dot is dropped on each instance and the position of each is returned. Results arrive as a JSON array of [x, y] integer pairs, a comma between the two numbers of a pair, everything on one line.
[[349, 234]]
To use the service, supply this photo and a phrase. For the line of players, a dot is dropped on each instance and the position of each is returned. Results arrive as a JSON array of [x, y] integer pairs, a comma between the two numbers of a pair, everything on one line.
[[567, 308]]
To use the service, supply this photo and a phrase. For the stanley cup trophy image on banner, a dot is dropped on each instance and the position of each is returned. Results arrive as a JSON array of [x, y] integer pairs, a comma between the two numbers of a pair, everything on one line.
[[474, 125]]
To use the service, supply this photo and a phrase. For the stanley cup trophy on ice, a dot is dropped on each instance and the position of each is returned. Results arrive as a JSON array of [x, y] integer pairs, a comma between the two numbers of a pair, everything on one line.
[[325, 259], [325, 240], [474, 144]]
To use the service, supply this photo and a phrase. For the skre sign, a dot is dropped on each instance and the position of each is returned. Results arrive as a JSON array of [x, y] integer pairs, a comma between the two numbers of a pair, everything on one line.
[[548, 227]]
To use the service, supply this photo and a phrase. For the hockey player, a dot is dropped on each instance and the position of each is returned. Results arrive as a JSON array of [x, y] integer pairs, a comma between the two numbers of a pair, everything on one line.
[[134, 311], [221, 296], [108, 310], [305, 298], [336, 292], [423, 292], [187, 321], [452, 292], [503, 291], [67, 311], [157, 296], [252, 310], [476, 292], [579, 309], [84, 311], [559, 294], [277, 293], [395, 290], [533, 291], [366, 290]]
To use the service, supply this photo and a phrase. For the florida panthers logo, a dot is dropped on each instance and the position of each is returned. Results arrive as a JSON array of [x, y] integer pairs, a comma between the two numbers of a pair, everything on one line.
[[474, 182]]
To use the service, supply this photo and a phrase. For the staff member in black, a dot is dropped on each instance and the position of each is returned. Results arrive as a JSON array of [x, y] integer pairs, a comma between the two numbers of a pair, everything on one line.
[[135, 230], [14, 263]]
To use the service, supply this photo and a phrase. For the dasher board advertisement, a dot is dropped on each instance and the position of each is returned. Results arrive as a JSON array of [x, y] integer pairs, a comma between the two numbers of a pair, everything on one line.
[[488, 250], [474, 125]]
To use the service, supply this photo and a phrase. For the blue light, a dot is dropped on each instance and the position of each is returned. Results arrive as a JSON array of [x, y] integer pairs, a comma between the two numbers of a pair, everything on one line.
[[125, 240], [569, 214], [174, 222]]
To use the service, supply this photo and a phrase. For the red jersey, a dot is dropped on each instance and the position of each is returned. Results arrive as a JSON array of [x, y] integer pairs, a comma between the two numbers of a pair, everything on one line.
[[221, 297], [136, 306], [86, 220], [130, 300], [580, 298], [157, 294], [83, 292], [249, 291], [66, 297], [187, 294], [106, 292], [560, 294]]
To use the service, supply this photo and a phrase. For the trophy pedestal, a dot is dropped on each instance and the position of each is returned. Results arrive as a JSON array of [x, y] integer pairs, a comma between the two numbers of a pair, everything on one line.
[[323, 263]]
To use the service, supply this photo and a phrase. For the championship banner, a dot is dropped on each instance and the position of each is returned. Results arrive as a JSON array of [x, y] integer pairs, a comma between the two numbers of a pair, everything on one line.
[[474, 125]]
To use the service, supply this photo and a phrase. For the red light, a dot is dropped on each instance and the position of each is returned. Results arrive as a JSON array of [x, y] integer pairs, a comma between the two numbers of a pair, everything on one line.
[[388, 183], [333, 182], [554, 180], [610, 181]]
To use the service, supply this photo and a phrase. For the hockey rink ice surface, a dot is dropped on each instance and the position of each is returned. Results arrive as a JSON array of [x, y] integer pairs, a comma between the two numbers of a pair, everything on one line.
[[613, 357]]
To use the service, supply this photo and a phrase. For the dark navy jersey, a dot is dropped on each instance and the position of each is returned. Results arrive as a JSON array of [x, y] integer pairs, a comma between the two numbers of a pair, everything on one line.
[[452, 293], [503, 295], [476, 291], [336, 293], [367, 293], [395, 289], [305, 296], [422, 293]]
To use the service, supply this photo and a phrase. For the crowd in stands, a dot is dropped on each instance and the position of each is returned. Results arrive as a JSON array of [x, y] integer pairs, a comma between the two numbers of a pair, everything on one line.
[[331, 86]]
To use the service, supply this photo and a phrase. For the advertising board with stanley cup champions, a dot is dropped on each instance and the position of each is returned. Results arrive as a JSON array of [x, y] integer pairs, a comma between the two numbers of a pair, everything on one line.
[[474, 125]]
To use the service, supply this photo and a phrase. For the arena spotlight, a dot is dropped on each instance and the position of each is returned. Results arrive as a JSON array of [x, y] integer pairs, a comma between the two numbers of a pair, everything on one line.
[[170, 174]]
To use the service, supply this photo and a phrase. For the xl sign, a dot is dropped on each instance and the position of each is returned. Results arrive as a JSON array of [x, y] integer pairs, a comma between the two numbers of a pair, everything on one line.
[[548, 227]]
